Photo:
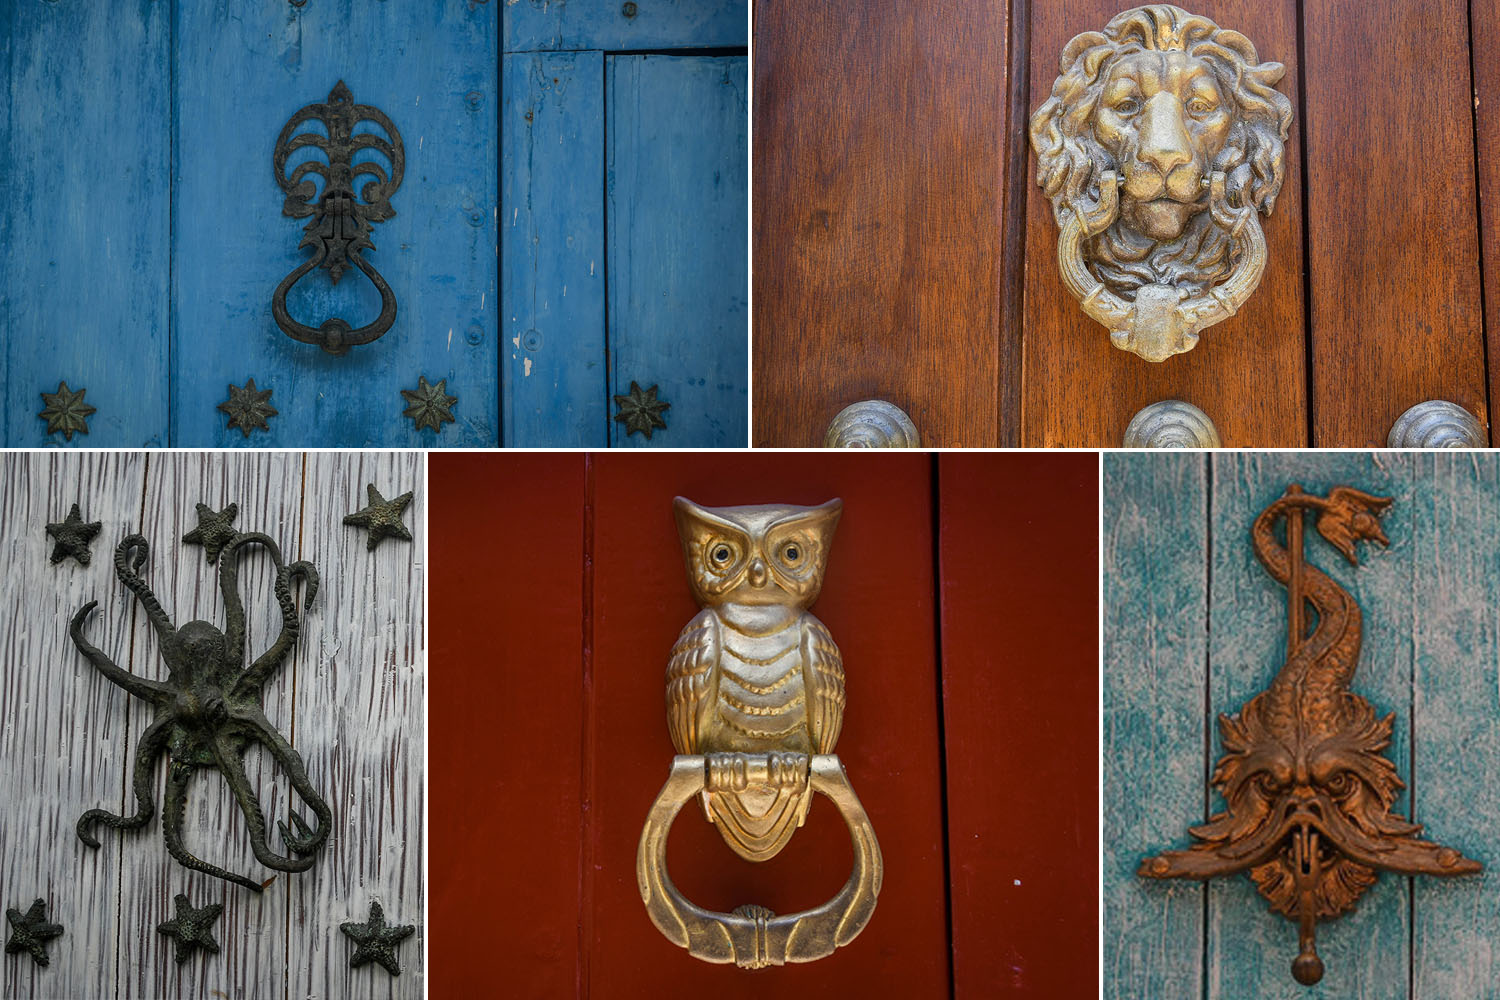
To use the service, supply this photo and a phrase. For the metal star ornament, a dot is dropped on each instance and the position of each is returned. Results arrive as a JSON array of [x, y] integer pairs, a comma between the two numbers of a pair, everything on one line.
[[30, 932], [73, 536], [248, 407], [66, 411], [214, 531], [375, 942], [190, 929], [382, 517], [641, 411], [429, 405]]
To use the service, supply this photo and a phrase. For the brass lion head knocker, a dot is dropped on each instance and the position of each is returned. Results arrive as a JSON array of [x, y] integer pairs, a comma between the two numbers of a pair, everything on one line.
[[1162, 139], [1307, 790], [341, 224], [755, 701]]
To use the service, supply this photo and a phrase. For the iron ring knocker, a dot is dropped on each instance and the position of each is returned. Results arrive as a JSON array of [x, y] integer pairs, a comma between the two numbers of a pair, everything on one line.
[[341, 224], [753, 937]]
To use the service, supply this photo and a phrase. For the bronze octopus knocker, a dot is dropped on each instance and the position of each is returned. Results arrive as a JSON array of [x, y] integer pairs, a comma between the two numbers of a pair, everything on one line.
[[1308, 793], [341, 223], [209, 710]]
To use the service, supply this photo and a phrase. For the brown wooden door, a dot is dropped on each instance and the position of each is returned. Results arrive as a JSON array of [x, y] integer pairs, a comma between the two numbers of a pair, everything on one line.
[[903, 250], [962, 591]]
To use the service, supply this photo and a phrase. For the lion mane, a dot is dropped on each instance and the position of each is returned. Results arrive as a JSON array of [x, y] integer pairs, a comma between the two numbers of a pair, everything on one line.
[[1070, 158]]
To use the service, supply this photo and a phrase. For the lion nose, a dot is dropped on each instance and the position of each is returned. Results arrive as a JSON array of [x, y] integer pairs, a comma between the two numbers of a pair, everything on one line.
[[758, 573], [1165, 143]]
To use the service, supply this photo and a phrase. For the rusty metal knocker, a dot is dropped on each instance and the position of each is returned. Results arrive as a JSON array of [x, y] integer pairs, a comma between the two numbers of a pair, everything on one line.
[[341, 223], [755, 701]]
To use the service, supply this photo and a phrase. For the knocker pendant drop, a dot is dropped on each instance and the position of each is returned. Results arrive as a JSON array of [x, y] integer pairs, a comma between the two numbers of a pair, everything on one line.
[[755, 701], [342, 222]]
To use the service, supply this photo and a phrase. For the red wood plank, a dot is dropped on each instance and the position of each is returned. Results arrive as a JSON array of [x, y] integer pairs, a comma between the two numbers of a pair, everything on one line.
[[878, 601], [1019, 584], [1484, 26], [505, 707]]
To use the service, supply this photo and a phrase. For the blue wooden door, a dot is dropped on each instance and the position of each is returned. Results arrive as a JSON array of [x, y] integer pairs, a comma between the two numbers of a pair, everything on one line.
[[1194, 626], [142, 235]]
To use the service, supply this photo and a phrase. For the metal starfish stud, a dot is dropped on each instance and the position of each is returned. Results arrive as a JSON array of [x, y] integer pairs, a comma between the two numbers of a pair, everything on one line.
[[73, 535], [375, 942], [248, 407], [382, 517], [641, 411], [66, 411], [429, 405], [31, 932], [214, 531], [190, 928]]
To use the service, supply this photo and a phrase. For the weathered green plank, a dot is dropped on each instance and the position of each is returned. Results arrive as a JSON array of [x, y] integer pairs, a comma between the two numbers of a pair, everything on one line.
[[1456, 733], [1249, 949], [1155, 560]]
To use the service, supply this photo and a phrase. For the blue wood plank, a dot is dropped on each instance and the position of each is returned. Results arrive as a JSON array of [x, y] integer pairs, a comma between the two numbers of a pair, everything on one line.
[[552, 251], [678, 190], [84, 157], [533, 25], [242, 71], [1250, 949], [1155, 564], [1455, 775]]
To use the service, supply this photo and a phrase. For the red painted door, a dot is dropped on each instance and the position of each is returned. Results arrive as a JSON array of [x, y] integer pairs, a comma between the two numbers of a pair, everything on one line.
[[961, 590]]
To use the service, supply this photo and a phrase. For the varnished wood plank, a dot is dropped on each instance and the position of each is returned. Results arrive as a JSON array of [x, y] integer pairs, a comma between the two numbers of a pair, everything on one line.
[[1155, 565], [878, 177], [1247, 373], [64, 747], [1392, 241], [1484, 43]]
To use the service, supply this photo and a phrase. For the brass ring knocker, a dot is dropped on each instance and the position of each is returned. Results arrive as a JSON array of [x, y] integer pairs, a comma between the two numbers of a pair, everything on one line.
[[753, 937]]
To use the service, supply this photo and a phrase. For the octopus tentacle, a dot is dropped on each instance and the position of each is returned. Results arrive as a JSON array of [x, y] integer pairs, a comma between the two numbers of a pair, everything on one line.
[[172, 811], [233, 769], [152, 741], [141, 687], [128, 576], [306, 840], [256, 674]]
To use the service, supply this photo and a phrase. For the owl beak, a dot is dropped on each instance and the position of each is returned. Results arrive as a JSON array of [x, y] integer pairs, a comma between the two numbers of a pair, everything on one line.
[[758, 573]]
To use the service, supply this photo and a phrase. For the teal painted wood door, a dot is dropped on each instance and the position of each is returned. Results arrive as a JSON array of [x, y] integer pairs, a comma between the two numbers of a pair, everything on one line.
[[1194, 627], [142, 234]]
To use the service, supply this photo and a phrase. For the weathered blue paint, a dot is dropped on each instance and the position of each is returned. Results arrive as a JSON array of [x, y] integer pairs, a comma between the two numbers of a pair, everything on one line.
[[678, 272], [242, 71], [532, 25], [552, 250], [1431, 655], [84, 216]]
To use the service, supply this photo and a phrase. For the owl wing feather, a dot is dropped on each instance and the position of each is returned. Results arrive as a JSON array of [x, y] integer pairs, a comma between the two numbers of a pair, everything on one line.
[[823, 672], [689, 674]]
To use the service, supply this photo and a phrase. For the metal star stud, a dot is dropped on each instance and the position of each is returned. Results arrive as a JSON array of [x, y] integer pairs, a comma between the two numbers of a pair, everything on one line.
[[382, 518], [190, 928], [641, 411], [375, 942], [214, 531], [31, 932], [73, 535], [66, 411], [248, 407], [429, 405]]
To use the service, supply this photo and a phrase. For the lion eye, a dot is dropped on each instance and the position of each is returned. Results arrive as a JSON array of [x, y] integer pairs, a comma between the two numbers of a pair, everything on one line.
[[1201, 106], [1128, 106]]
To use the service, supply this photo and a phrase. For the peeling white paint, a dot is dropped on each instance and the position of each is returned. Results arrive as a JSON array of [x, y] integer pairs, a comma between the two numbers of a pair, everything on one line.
[[527, 365]]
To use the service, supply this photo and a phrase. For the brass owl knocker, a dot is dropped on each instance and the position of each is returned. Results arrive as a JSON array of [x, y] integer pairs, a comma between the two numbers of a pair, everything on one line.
[[755, 700], [1162, 140]]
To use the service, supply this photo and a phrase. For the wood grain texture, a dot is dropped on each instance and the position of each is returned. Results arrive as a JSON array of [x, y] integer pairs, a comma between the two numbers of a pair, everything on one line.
[[879, 176], [655, 24], [1020, 652], [1247, 373], [1392, 234], [1155, 564], [676, 209], [350, 699], [240, 75], [84, 218], [1484, 42]]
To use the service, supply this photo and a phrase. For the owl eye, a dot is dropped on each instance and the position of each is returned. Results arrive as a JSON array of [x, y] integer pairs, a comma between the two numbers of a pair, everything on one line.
[[721, 554], [791, 553]]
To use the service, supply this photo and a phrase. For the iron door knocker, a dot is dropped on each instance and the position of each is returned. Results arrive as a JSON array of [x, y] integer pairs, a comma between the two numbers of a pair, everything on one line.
[[341, 223], [755, 701]]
